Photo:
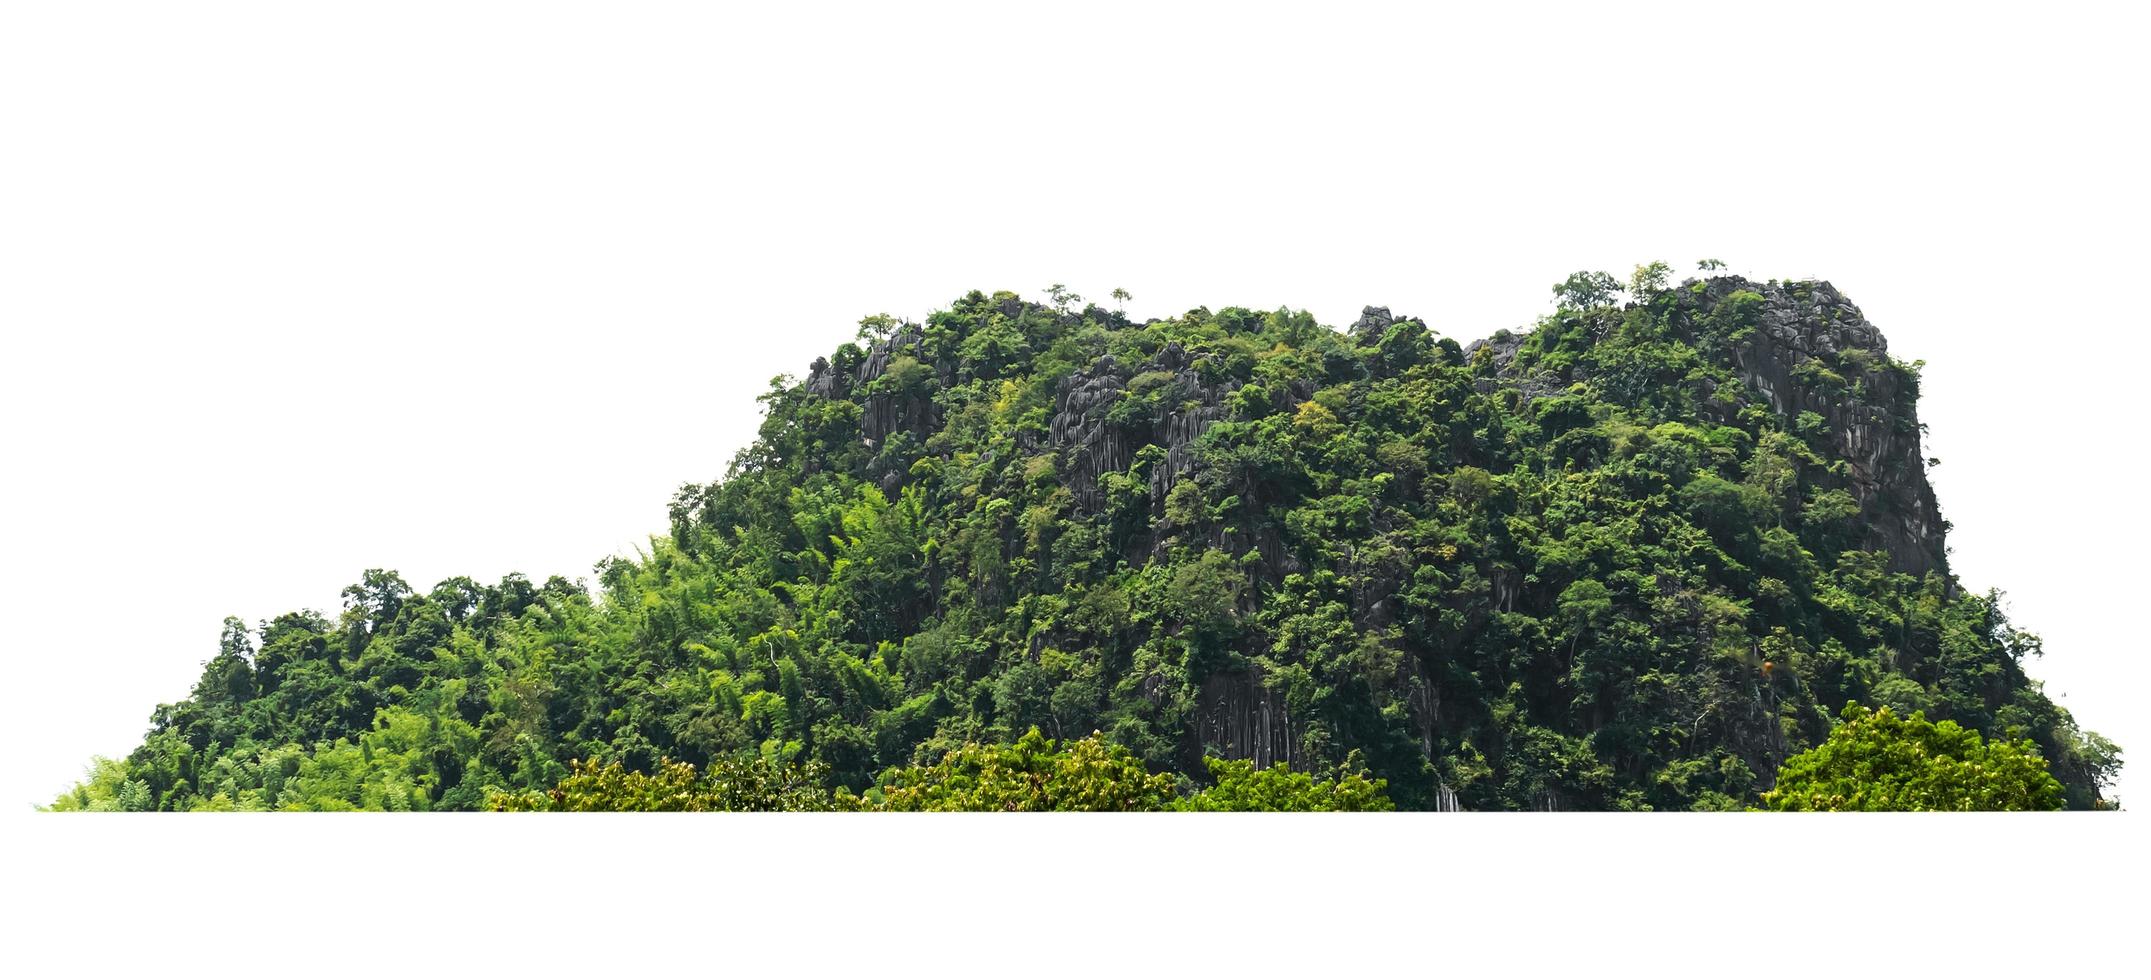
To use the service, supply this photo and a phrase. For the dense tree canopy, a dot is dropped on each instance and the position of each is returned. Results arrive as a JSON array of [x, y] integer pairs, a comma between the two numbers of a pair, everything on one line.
[[1875, 760], [1033, 773], [1635, 558], [1239, 786], [726, 785]]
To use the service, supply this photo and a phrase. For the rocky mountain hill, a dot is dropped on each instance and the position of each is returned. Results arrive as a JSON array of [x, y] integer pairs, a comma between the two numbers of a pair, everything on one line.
[[1632, 558]]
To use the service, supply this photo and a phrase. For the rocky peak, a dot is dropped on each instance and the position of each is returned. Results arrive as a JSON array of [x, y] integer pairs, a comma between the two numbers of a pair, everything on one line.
[[1811, 357], [1813, 351], [1373, 320]]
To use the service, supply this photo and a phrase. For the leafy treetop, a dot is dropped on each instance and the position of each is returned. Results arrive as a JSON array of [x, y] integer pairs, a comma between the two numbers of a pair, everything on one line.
[[1878, 760]]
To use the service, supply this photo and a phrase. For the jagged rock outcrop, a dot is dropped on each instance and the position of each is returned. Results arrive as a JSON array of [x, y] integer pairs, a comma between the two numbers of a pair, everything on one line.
[[1813, 351], [889, 406], [1373, 320], [1106, 413], [1091, 444]]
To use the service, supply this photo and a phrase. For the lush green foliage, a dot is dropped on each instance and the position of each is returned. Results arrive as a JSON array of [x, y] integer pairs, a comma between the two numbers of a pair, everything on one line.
[[1876, 760], [1585, 567], [107, 790], [726, 785], [1032, 773], [1238, 785]]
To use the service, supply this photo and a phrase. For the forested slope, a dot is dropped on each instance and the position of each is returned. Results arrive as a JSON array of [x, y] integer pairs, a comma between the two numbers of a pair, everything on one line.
[[1633, 558]]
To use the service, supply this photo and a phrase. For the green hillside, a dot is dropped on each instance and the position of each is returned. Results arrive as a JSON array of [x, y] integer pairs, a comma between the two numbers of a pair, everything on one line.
[[1635, 558]]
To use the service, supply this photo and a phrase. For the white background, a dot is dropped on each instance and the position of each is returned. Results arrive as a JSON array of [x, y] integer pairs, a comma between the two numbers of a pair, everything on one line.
[[290, 291]]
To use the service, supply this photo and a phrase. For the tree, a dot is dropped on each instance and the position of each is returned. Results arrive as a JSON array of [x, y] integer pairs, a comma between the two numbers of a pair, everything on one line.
[[1710, 265], [1585, 290], [876, 327], [1061, 296], [1585, 606], [229, 676], [724, 785], [1121, 298], [1649, 279], [107, 790], [1033, 773], [1241, 787], [1877, 760]]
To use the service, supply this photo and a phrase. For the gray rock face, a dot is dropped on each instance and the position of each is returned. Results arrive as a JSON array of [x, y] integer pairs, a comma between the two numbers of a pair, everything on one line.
[[1373, 320], [1236, 717], [1093, 439], [885, 412], [825, 382], [1808, 336], [1091, 446]]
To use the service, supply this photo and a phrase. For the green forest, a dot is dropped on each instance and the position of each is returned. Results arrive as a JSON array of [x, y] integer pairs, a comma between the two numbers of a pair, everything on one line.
[[1672, 548]]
